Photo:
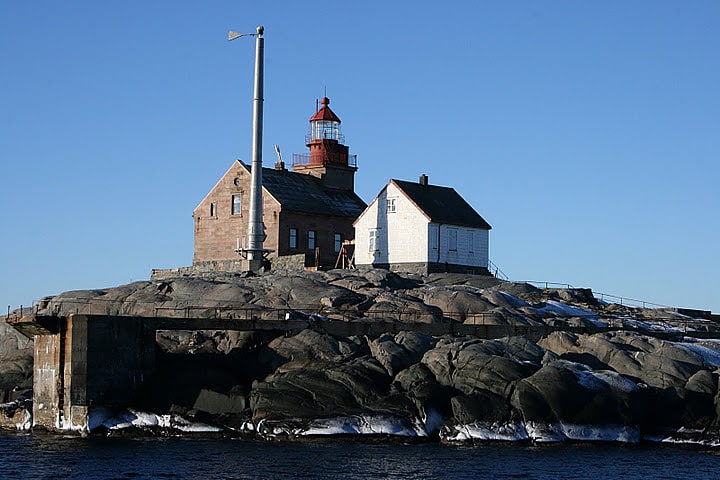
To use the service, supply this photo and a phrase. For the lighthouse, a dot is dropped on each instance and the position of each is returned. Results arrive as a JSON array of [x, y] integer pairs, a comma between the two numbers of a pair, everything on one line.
[[329, 158]]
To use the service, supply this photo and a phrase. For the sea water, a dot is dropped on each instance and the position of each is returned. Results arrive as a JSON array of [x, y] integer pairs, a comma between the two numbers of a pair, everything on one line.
[[33, 456]]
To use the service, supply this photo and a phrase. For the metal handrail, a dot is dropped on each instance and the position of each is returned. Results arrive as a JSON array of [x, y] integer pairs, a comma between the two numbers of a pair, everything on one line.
[[496, 272]]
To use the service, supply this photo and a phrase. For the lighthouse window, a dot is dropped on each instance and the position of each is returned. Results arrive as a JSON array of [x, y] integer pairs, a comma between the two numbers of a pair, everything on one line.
[[325, 129], [236, 205], [372, 240], [311, 239], [338, 242], [452, 239]]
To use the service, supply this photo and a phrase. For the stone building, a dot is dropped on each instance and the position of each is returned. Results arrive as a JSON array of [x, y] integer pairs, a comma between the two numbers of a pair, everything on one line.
[[307, 211], [421, 228]]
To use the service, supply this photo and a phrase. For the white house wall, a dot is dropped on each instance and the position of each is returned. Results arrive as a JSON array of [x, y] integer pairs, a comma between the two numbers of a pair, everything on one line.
[[406, 236], [465, 252], [401, 236]]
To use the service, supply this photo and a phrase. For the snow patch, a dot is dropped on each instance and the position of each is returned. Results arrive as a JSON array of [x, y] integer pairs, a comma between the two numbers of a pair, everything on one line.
[[565, 310], [485, 431], [603, 380], [18, 411], [362, 425], [710, 355], [540, 432], [516, 302], [342, 425], [651, 326], [134, 418]]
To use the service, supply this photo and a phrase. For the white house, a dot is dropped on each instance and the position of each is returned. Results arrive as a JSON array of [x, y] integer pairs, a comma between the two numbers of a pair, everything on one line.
[[421, 228]]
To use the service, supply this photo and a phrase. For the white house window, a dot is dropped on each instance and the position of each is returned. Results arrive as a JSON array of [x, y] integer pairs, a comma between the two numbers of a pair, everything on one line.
[[372, 240], [213, 210], [391, 205], [471, 243], [236, 205], [293, 238], [311, 239], [338, 242], [452, 240]]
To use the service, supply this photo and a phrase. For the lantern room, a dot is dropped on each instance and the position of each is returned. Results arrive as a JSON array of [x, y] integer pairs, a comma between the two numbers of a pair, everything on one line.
[[325, 125], [329, 158]]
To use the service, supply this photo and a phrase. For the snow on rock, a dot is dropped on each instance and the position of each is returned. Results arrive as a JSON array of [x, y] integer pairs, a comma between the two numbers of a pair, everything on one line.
[[16, 415], [560, 432], [688, 436], [561, 309], [133, 418], [605, 380], [341, 425], [650, 326], [539, 432], [709, 350], [485, 431]]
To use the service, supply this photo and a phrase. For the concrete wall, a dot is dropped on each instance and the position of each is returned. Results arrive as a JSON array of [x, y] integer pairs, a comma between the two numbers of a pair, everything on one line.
[[47, 380], [91, 360]]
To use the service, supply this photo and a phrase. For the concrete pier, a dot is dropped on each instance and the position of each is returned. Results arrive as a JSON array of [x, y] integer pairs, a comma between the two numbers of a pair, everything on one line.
[[84, 361]]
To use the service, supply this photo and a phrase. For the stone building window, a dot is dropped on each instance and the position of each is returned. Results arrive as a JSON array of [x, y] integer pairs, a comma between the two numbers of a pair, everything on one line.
[[372, 240], [293, 238], [311, 239], [213, 210], [391, 205], [338, 242], [236, 205]]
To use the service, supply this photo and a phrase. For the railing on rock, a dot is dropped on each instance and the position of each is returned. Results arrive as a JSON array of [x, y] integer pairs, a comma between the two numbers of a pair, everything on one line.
[[457, 322]]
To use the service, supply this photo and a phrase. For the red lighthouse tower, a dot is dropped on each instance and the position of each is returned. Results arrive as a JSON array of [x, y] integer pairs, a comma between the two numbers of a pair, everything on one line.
[[329, 158]]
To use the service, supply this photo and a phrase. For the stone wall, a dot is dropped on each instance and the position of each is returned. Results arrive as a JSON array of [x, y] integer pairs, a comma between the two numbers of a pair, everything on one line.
[[217, 229], [424, 268], [208, 268]]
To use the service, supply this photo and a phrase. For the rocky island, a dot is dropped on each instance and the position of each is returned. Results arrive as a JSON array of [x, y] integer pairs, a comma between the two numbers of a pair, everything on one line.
[[459, 358]]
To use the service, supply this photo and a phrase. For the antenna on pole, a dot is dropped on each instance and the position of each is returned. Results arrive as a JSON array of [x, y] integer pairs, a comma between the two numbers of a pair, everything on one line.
[[280, 165]]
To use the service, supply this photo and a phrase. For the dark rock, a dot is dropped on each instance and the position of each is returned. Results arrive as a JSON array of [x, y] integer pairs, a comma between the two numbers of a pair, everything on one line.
[[403, 308], [571, 393], [218, 403], [397, 352], [480, 406], [470, 365]]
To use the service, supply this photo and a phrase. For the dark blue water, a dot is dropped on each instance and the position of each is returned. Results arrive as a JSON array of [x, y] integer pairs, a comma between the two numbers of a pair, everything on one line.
[[44, 456]]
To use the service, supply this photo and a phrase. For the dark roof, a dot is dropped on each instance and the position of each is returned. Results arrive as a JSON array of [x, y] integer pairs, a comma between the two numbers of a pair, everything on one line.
[[300, 192], [325, 113], [442, 204]]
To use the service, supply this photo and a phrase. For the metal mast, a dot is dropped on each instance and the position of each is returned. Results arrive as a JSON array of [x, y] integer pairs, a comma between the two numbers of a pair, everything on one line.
[[256, 228]]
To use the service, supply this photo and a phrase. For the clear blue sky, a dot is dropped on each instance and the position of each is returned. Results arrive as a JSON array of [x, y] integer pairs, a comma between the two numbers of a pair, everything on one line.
[[586, 133]]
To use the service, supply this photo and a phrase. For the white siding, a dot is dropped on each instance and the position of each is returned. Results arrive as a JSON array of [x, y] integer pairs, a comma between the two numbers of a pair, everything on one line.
[[463, 254], [400, 236], [406, 236]]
